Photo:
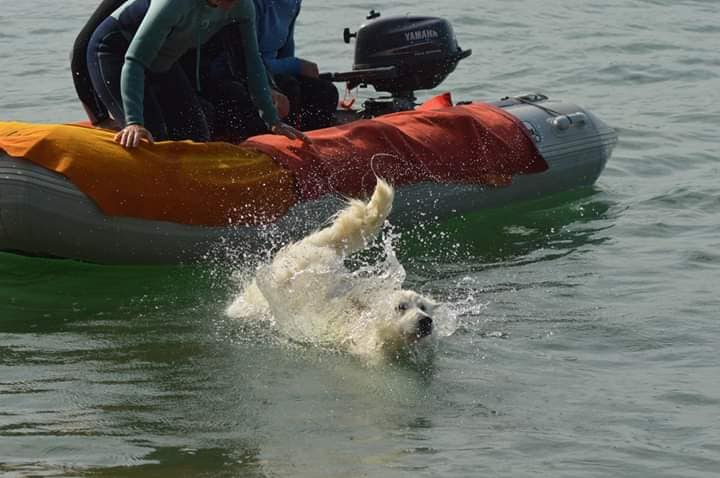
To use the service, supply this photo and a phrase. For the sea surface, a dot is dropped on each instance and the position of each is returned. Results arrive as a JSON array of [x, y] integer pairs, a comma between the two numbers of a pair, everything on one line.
[[589, 325]]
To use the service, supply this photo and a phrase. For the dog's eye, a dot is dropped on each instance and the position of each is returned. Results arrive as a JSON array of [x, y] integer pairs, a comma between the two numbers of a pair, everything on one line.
[[402, 307], [422, 307]]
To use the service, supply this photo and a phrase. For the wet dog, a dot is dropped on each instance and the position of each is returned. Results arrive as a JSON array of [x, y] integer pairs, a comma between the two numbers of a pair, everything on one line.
[[311, 296]]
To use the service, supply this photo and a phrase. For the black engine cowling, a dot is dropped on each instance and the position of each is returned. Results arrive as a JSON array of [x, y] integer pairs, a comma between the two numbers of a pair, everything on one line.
[[403, 54]]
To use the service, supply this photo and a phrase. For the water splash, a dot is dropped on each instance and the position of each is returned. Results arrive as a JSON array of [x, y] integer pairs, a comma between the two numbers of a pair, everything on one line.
[[339, 303]]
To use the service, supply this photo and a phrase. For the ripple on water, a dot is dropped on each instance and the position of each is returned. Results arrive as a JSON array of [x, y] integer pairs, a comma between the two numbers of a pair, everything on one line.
[[632, 73], [687, 398]]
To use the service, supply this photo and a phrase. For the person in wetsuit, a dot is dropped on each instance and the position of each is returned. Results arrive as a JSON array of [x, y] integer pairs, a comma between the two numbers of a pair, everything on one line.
[[313, 101], [227, 102], [132, 60]]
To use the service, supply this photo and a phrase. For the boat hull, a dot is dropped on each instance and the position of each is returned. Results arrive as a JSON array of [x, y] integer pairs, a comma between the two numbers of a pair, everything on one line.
[[43, 213]]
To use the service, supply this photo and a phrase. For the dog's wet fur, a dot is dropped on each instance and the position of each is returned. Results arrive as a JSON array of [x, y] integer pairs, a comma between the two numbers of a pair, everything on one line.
[[310, 295]]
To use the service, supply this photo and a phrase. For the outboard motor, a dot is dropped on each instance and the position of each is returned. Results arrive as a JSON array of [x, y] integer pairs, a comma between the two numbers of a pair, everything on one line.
[[401, 55]]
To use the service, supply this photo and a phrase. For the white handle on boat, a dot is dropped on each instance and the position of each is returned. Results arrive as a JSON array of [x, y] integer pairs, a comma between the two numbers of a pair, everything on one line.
[[564, 122]]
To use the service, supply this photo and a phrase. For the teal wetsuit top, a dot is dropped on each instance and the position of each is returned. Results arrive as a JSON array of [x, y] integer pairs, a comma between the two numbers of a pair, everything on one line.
[[172, 27]]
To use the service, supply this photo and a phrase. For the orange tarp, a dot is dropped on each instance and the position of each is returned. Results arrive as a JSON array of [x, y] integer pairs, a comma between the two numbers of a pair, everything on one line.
[[210, 184], [477, 143]]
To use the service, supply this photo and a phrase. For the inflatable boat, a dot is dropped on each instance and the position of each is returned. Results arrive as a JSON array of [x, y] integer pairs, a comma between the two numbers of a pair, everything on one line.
[[68, 191]]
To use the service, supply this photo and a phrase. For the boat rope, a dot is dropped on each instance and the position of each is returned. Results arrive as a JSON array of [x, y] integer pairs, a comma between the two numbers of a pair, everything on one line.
[[547, 110], [349, 98]]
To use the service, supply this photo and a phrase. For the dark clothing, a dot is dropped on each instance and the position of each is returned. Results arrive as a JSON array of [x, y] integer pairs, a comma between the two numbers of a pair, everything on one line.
[[235, 117], [224, 87], [162, 31], [227, 112], [172, 109], [313, 101], [95, 109]]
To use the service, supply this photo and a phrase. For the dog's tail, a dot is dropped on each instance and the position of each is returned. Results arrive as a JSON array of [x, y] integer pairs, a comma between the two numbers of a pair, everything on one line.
[[359, 223]]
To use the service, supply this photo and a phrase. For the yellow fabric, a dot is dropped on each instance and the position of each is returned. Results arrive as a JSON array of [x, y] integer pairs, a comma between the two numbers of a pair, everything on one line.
[[208, 184]]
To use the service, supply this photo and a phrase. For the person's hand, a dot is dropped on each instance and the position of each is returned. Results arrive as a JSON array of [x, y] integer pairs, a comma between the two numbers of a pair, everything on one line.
[[289, 132], [309, 69], [131, 135], [281, 102]]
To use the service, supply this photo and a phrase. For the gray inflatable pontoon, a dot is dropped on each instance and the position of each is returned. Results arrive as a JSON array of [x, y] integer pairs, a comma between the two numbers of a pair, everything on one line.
[[43, 213]]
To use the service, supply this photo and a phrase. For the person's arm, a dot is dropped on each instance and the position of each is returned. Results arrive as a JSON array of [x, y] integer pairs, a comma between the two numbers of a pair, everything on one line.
[[159, 20], [95, 109], [286, 63], [288, 49], [254, 66]]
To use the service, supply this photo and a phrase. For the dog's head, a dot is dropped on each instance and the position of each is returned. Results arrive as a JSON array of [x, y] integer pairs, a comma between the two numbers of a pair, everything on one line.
[[409, 319], [404, 327]]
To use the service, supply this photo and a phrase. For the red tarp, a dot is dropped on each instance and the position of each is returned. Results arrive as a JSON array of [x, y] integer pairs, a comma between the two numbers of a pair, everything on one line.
[[477, 143]]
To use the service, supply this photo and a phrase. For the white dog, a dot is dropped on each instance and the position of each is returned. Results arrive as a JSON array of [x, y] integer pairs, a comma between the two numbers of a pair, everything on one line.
[[310, 295]]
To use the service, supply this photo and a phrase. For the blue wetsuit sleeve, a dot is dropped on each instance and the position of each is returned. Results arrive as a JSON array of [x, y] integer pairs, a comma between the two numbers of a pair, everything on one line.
[[144, 47], [256, 73], [286, 63], [284, 66]]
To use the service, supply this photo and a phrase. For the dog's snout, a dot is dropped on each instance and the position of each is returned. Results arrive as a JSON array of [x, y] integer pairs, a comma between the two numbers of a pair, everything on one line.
[[425, 327]]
